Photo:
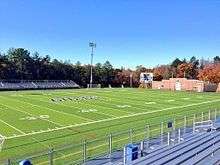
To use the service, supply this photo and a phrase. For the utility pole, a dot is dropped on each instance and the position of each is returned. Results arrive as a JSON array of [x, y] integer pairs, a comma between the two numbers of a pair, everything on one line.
[[92, 45]]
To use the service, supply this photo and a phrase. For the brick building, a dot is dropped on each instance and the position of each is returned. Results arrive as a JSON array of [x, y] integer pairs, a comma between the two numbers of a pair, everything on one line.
[[179, 84]]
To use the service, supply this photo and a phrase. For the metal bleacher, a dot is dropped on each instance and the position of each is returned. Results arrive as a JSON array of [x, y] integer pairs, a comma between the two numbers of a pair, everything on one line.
[[196, 144], [199, 148], [30, 84]]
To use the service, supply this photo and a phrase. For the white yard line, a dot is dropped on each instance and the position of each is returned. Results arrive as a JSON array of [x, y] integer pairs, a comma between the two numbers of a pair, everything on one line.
[[170, 100], [186, 98], [30, 114], [69, 106], [23, 133], [105, 114], [111, 119], [106, 103], [148, 103], [61, 112], [114, 93], [92, 105]]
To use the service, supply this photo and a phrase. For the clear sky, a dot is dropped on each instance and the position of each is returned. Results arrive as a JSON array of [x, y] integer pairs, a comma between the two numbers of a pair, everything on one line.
[[127, 32]]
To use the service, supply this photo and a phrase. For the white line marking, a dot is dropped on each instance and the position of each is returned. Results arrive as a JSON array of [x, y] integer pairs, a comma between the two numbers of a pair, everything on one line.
[[150, 103], [61, 112], [110, 119], [186, 98], [121, 110], [30, 114], [23, 133], [123, 106]]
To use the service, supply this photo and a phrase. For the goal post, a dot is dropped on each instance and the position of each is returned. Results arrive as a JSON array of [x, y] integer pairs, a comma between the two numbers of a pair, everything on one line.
[[2, 140]]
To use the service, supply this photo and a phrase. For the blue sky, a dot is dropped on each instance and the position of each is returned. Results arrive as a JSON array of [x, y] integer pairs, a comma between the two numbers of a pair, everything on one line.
[[127, 32]]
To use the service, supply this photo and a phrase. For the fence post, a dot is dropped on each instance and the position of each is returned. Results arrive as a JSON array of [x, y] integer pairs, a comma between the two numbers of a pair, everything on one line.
[[194, 120], [184, 124], [161, 132], [142, 148], [130, 135], [110, 145], [174, 124], [202, 117], [147, 128], [209, 115], [124, 155], [179, 135], [215, 114], [51, 151], [8, 162], [174, 129], [84, 151], [168, 138]]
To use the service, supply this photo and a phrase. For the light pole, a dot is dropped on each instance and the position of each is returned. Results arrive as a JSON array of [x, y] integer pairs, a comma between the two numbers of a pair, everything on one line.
[[92, 45]]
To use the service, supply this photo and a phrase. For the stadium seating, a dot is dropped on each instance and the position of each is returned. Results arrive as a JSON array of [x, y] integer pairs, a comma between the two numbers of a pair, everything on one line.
[[18, 85], [194, 150]]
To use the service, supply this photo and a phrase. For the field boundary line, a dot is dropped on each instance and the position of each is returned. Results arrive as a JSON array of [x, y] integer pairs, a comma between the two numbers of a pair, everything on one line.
[[23, 133], [111, 119]]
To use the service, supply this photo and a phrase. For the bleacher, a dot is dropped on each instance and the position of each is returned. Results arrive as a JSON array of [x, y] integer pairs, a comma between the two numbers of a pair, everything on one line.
[[45, 84], [194, 150], [191, 147]]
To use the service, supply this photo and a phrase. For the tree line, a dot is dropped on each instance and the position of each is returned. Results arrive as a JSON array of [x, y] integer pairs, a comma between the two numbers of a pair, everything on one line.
[[21, 64]]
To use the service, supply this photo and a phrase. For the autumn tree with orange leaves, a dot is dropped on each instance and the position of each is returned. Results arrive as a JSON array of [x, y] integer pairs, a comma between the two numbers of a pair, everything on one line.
[[210, 73], [185, 70], [162, 72]]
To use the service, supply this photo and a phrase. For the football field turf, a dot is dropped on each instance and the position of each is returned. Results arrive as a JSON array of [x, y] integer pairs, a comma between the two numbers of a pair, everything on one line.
[[32, 122]]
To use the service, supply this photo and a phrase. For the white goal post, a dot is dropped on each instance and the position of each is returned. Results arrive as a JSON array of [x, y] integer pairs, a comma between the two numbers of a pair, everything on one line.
[[2, 140]]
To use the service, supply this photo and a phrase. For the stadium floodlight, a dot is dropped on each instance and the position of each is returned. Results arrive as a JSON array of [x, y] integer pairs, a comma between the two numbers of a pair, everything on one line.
[[92, 45]]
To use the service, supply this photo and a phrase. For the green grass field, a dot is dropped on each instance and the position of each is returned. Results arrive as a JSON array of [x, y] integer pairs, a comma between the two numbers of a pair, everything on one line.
[[32, 123]]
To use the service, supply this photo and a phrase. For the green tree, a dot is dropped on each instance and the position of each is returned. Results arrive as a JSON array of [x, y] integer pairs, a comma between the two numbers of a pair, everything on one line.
[[176, 63], [108, 76], [193, 73], [216, 59]]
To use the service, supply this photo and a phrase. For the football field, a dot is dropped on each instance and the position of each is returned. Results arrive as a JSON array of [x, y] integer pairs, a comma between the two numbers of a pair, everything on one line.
[[32, 122]]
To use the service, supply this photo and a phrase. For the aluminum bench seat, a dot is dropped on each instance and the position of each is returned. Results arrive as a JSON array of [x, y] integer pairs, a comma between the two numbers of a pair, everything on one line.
[[195, 155], [173, 154], [169, 150]]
